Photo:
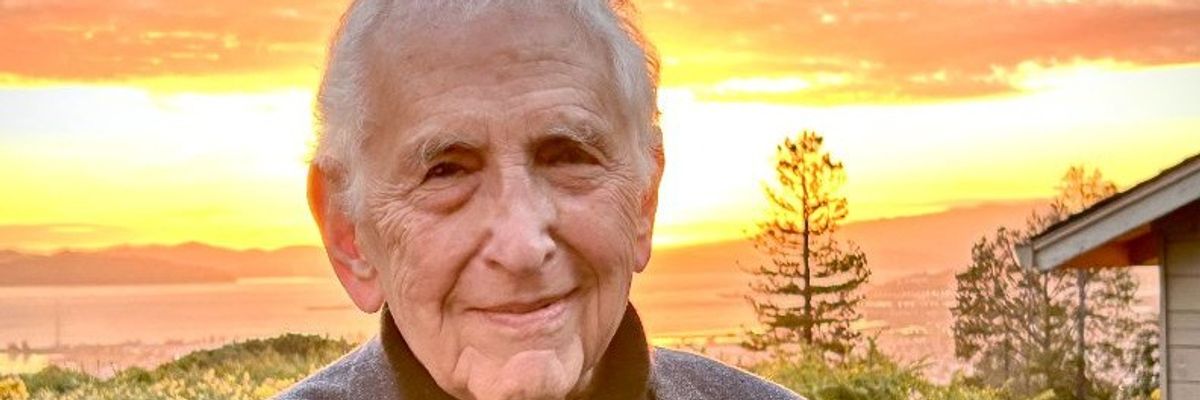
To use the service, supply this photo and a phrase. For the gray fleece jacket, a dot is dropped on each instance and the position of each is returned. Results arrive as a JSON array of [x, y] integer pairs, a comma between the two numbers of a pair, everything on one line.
[[384, 368]]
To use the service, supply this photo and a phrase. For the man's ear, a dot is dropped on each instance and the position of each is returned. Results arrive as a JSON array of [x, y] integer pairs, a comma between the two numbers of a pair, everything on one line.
[[649, 206], [339, 236]]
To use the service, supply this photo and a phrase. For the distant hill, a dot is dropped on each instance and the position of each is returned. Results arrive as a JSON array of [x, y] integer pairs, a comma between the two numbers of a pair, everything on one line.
[[157, 264], [933, 242], [686, 289], [70, 268], [6, 255], [895, 247], [253, 263]]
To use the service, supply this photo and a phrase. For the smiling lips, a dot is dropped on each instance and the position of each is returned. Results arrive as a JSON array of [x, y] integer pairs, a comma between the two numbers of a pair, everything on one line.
[[538, 316]]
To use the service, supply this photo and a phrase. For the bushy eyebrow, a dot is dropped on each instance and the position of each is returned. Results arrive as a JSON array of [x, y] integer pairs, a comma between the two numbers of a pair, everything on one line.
[[584, 134], [433, 146]]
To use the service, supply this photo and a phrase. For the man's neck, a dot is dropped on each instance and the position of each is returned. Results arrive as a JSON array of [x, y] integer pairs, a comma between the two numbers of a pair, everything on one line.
[[622, 373]]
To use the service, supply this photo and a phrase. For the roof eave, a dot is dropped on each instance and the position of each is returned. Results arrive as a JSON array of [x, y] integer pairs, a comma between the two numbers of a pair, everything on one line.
[[1101, 224]]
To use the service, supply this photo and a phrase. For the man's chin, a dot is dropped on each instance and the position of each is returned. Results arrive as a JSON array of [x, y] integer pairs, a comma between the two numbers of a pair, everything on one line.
[[528, 375]]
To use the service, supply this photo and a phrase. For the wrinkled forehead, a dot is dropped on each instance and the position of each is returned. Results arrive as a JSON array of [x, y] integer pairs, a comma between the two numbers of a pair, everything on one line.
[[406, 43]]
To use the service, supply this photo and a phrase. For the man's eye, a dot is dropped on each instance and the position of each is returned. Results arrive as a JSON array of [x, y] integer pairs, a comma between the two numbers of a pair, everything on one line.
[[444, 170], [564, 154]]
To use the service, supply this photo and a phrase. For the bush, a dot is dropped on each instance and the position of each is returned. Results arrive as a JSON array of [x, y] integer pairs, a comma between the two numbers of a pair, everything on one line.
[[12, 388], [55, 379], [258, 369], [866, 376], [255, 369]]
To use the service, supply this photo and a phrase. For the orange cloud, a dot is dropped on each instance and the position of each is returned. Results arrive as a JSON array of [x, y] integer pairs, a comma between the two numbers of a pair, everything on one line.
[[120, 39], [908, 49], [811, 51]]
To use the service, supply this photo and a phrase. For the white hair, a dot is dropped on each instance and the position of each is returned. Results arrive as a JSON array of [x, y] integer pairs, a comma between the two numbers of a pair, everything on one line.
[[342, 106]]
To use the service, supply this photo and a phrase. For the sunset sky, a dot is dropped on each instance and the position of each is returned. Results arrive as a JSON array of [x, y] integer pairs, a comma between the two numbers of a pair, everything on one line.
[[143, 121]]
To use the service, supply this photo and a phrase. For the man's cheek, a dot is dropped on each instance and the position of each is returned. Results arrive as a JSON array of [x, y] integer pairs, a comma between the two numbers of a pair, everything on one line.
[[599, 233], [424, 281], [622, 204]]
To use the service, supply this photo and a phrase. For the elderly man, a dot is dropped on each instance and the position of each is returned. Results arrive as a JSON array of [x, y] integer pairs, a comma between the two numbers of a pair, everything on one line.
[[486, 176]]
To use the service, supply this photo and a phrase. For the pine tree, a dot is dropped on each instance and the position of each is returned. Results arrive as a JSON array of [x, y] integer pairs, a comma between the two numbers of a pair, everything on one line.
[[1061, 331], [808, 291], [1102, 312], [1142, 362], [987, 315], [1010, 323]]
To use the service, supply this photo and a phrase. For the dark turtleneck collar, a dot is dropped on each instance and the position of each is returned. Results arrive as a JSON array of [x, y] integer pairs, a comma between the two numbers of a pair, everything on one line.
[[623, 373]]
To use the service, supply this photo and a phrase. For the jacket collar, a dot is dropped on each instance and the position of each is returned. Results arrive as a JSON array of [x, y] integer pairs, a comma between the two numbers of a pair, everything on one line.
[[623, 373]]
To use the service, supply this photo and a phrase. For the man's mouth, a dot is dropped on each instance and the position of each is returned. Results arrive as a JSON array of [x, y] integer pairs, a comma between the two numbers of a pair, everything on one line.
[[530, 317]]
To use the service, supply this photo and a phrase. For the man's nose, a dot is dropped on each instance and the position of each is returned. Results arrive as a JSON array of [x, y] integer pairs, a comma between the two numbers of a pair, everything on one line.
[[520, 227]]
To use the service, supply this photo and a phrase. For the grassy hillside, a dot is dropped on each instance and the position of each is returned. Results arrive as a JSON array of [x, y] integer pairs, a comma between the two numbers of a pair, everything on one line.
[[258, 369], [253, 369]]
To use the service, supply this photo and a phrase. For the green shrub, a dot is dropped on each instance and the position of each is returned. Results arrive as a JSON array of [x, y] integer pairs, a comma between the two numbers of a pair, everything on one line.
[[56, 380], [870, 376], [12, 388], [258, 369], [255, 369]]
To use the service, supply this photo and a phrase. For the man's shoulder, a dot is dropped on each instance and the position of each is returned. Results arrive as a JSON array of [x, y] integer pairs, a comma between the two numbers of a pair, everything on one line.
[[682, 375], [363, 373]]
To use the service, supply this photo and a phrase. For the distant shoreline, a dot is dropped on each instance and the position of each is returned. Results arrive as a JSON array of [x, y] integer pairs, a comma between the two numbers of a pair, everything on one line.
[[110, 283], [190, 263], [266, 280]]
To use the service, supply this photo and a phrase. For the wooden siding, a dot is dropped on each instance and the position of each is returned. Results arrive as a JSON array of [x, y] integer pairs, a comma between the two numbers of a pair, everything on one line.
[[1182, 272]]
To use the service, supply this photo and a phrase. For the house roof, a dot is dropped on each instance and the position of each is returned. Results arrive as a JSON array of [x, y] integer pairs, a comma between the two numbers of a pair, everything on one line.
[[1114, 232]]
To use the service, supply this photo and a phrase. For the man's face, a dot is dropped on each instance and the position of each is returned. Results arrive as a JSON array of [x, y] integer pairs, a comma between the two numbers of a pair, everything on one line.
[[506, 206]]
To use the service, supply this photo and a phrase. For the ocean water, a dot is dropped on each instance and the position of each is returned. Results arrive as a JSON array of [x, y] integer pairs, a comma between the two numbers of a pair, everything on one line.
[[70, 315]]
